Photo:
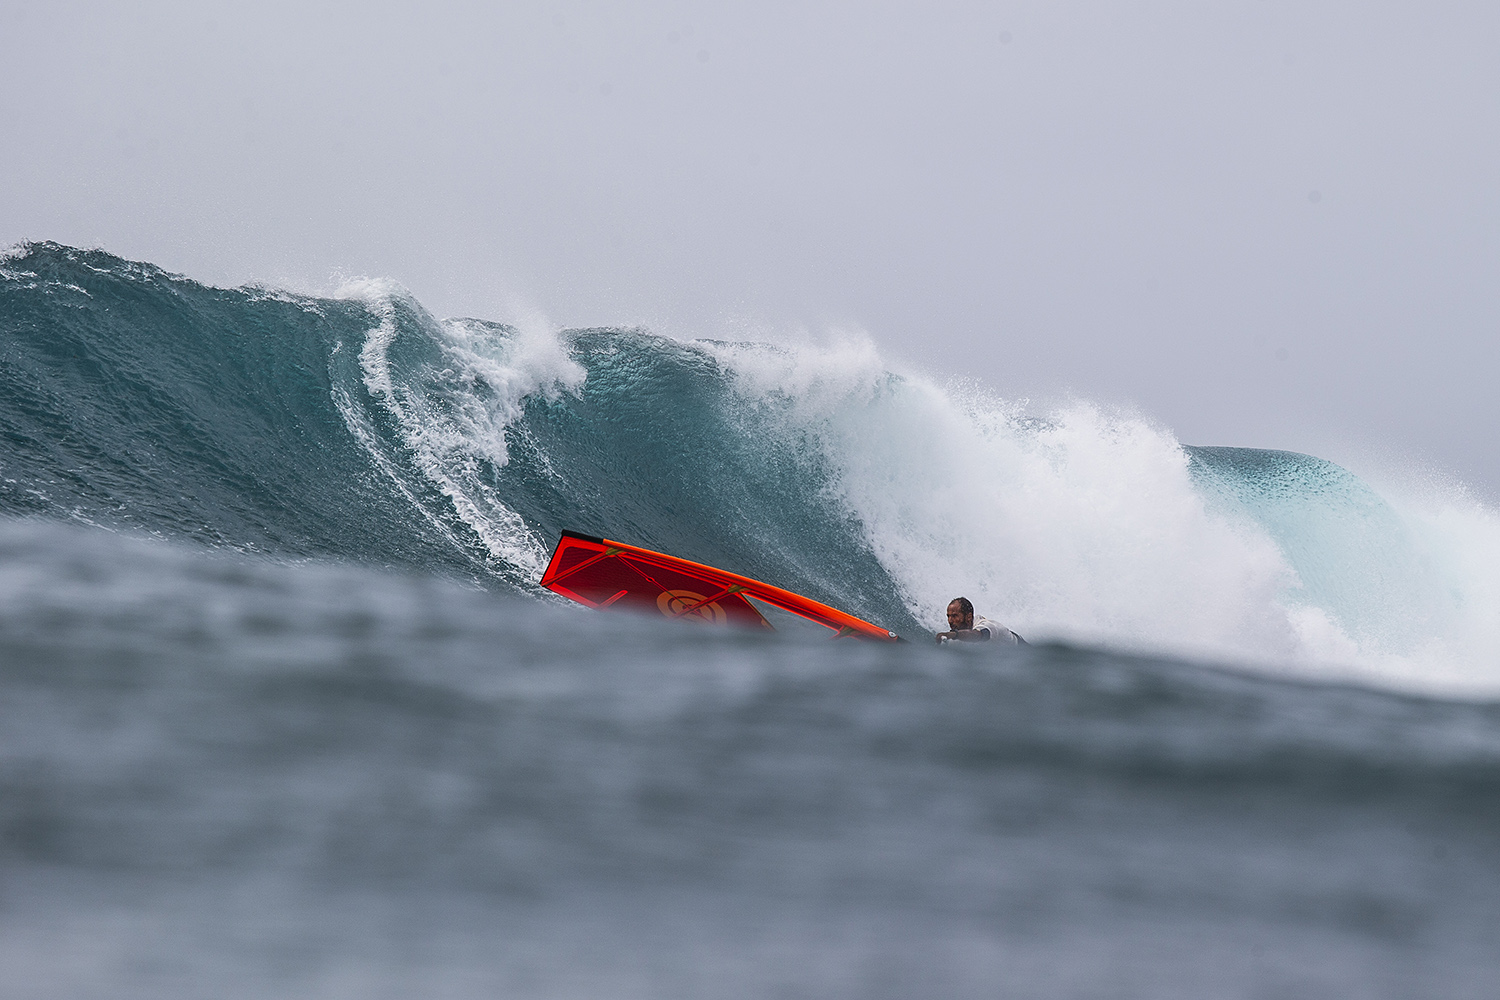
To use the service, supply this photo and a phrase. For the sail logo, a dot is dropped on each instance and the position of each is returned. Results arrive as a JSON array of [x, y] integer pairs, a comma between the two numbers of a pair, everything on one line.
[[692, 605]]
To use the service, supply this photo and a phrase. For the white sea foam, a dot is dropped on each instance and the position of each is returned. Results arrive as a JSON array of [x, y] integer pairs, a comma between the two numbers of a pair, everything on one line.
[[1084, 524], [1457, 644], [454, 415]]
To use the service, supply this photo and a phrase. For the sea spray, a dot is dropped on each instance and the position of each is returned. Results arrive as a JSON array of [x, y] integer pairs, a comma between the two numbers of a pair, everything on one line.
[[1099, 526], [1078, 525]]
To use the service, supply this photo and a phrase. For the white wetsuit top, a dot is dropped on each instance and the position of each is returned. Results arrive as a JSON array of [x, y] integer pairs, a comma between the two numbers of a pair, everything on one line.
[[998, 632]]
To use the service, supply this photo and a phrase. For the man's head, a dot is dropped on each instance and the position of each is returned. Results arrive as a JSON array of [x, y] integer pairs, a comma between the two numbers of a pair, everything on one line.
[[960, 613]]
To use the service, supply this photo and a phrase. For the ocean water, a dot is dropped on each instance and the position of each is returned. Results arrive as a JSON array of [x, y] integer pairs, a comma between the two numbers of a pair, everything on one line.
[[283, 712]]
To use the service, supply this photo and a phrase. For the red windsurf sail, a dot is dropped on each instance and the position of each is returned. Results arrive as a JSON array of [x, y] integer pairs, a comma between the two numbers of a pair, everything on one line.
[[605, 574]]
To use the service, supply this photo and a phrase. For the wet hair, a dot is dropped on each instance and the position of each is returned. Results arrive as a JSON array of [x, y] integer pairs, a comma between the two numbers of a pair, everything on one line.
[[964, 605]]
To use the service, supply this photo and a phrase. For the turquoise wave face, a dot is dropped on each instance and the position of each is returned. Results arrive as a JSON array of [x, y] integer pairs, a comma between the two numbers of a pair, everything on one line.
[[669, 453], [132, 397], [285, 424], [1353, 554]]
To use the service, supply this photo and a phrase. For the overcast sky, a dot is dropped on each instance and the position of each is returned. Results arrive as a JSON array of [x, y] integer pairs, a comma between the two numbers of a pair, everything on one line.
[[1263, 224]]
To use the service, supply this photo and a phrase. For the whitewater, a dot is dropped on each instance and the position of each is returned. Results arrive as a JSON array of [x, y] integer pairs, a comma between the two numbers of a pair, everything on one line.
[[285, 711]]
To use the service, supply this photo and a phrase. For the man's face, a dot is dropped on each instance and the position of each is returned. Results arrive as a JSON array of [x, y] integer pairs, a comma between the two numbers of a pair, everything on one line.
[[959, 618]]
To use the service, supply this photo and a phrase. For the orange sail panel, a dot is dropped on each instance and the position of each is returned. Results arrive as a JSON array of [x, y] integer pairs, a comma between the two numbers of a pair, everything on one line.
[[605, 574]]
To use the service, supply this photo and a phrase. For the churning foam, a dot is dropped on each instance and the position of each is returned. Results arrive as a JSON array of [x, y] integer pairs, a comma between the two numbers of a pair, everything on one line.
[[1086, 525], [453, 415], [1457, 643]]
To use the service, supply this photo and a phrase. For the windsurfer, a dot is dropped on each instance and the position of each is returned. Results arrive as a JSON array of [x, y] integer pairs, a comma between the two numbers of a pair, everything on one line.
[[964, 627]]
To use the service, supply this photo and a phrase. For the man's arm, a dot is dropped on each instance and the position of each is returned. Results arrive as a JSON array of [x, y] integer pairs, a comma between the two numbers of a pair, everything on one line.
[[966, 635]]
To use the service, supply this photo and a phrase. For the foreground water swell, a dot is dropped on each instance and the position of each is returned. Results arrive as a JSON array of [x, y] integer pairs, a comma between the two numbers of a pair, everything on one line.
[[245, 778]]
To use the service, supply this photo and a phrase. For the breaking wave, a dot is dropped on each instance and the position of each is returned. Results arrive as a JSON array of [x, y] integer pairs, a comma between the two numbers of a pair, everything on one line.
[[360, 427]]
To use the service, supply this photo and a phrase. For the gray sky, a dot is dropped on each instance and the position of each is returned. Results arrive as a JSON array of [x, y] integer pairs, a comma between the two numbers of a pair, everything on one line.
[[1264, 224]]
